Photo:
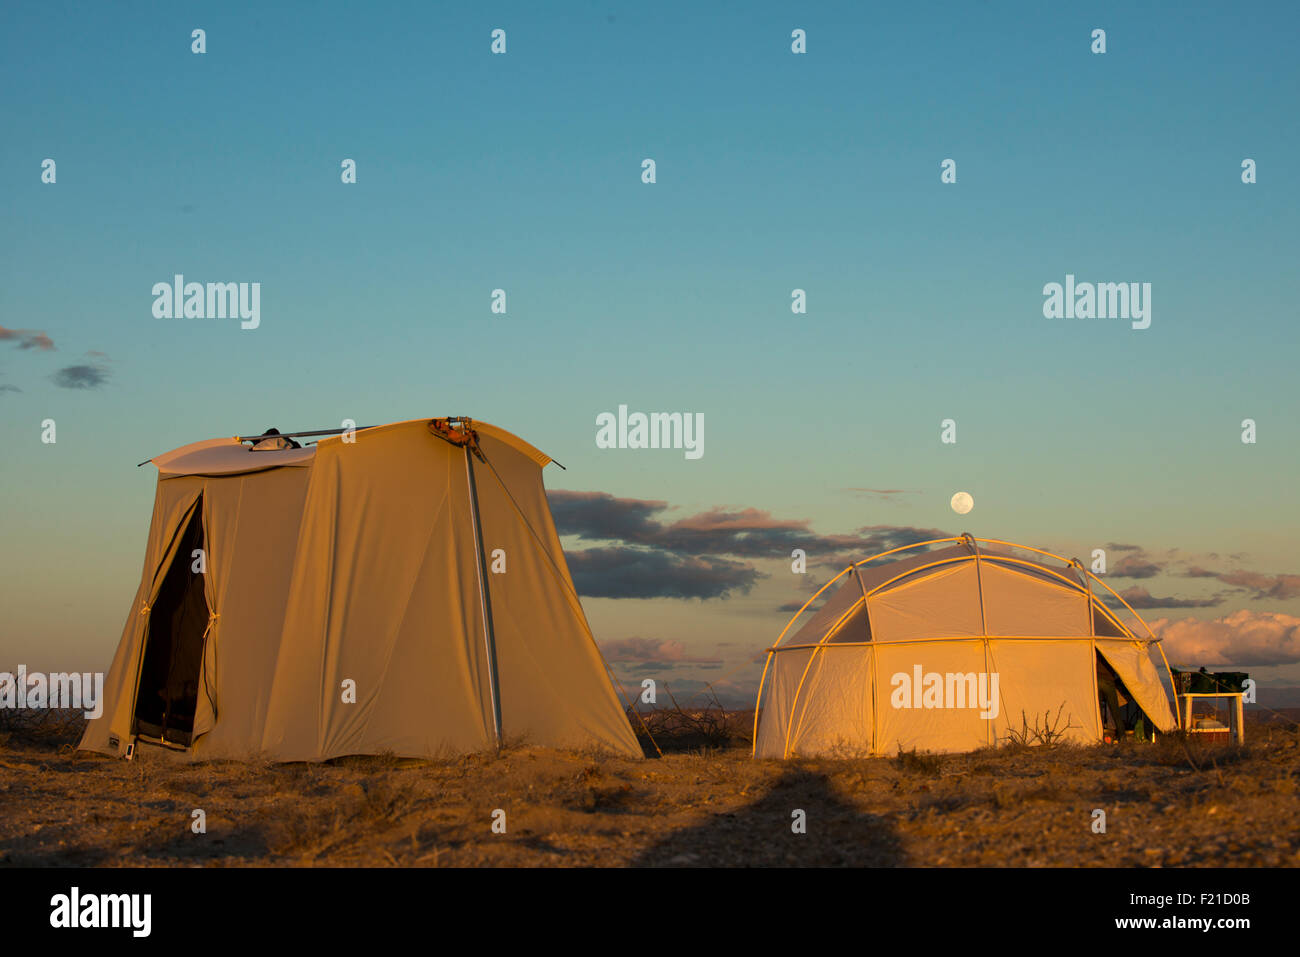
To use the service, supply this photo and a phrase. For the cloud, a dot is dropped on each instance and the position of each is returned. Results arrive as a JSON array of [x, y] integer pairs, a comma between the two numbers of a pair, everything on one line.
[[644, 573], [10, 388], [652, 652], [754, 533], [1263, 586], [1139, 597], [883, 493], [27, 339], [1118, 547], [80, 377], [722, 530], [1242, 639], [1135, 566], [600, 516], [704, 555]]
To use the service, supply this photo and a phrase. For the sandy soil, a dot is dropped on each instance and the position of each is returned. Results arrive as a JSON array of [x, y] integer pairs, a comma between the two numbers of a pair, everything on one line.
[[702, 807]]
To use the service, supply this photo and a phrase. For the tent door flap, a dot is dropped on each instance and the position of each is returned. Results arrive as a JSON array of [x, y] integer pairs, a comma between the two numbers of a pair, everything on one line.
[[168, 689]]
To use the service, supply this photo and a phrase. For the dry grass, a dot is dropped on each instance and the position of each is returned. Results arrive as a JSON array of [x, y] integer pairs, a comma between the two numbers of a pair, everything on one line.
[[1173, 803]]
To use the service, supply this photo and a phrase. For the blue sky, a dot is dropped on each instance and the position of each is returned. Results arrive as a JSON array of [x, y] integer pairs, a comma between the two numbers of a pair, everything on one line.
[[775, 172]]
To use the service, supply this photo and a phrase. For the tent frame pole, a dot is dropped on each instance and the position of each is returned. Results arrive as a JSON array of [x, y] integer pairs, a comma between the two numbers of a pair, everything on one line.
[[485, 599], [970, 540], [871, 638], [1092, 640]]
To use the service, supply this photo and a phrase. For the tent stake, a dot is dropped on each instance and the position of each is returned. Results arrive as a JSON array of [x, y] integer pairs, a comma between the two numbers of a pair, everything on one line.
[[485, 599]]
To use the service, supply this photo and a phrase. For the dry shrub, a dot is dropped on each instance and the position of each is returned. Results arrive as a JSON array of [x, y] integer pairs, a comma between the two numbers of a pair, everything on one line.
[[1047, 731], [41, 727], [922, 762], [685, 729]]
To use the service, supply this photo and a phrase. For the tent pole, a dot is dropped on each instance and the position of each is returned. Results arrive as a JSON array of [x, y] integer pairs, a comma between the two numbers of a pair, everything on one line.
[[984, 627], [485, 599], [1092, 633], [298, 435], [866, 614], [1173, 685]]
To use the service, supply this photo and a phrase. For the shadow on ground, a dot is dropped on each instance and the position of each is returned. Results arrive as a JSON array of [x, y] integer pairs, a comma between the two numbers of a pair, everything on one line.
[[837, 834]]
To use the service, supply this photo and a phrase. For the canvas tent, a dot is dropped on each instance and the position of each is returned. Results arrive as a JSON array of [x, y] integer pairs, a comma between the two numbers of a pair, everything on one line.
[[416, 563], [961, 644]]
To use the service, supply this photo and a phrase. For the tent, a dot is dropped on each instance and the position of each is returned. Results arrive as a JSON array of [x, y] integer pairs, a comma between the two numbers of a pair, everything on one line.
[[965, 644], [391, 589]]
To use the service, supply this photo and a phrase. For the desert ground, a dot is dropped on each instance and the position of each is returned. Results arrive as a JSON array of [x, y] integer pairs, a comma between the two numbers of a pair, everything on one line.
[[704, 803]]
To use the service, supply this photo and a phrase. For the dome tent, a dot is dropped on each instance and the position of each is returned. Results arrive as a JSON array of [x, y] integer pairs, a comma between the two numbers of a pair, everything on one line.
[[958, 647], [396, 589]]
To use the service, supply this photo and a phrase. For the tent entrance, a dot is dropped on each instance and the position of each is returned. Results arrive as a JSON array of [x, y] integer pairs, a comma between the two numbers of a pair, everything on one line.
[[1120, 713], [168, 689]]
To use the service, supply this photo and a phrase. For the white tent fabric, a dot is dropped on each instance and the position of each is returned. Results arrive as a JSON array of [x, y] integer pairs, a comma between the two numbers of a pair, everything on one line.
[[349, 612], [952, 649]]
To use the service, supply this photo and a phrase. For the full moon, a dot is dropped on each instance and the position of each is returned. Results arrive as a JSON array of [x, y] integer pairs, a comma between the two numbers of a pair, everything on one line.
[[962, 503]]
